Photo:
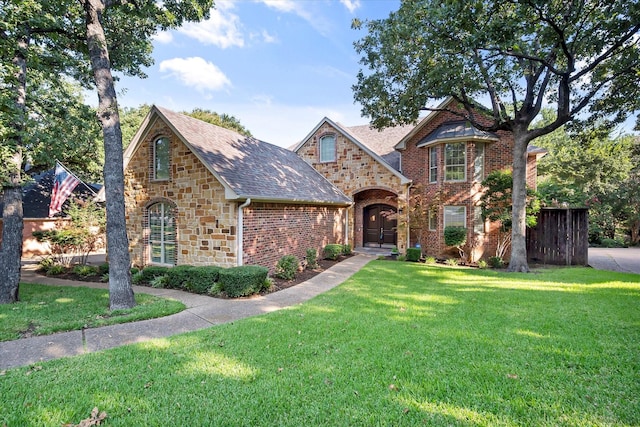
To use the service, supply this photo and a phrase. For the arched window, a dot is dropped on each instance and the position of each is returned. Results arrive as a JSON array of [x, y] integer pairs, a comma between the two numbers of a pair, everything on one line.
[[161, 159], [328, 148], [162, 234]]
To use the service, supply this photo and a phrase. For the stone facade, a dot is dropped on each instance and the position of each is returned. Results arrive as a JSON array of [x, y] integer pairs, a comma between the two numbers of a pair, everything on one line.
[[358, 175], [205, 220]]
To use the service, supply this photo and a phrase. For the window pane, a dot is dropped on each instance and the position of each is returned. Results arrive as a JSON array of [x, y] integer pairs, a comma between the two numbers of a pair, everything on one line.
[[433, 220], [162, 234], [328, 148], [478, 173], [433, 164], [455, 216], [161, 158], [478, 222], [455, 161]]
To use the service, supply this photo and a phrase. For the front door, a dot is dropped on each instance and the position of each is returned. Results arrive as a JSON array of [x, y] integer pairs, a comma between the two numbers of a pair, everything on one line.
[[378, 227]]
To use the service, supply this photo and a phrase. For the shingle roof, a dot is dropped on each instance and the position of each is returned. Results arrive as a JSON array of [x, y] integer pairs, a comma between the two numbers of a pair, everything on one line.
[[36, 196], [251, 168], [381, 142], [455, 131]]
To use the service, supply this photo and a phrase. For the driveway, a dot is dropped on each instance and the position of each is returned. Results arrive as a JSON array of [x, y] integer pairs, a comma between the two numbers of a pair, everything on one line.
[[615, 259]]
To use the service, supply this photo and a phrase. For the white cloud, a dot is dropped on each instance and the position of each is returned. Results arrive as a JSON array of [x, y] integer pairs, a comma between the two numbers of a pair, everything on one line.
[[222, 29], [197, 73], [351, 5], [164, 37]]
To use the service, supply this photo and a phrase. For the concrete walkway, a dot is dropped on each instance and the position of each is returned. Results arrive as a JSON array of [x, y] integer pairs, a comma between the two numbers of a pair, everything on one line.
[[615, 259], [202, 311]]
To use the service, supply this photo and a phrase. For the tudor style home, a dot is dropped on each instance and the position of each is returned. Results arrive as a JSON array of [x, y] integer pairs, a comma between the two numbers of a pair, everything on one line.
[[198, 194]]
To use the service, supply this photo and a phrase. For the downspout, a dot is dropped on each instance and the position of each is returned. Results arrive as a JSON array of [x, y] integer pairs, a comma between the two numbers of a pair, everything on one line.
[[239, 245], [407, 210]]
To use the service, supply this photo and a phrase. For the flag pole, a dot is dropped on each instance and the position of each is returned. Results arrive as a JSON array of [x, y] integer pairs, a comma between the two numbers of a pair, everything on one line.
[[74, 175]]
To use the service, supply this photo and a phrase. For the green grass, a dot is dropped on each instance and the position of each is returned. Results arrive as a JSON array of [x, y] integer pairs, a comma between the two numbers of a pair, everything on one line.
[[399, 344], [45, 309]]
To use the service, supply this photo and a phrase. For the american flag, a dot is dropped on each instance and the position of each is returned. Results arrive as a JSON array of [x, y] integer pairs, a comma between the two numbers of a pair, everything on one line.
[[63, 186]]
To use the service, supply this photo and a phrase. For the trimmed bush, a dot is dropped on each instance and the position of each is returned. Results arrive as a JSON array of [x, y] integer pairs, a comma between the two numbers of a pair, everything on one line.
[[85, 270], [332, 251], [496, 262], [312, 258], [202, 279], [287, 267], [177, 277], [346, 250], [242, 281], [414, 254], [147, 274], [103, 268]]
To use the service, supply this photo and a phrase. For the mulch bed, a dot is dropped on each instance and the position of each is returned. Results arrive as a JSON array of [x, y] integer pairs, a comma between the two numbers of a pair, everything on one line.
[[278, 284]]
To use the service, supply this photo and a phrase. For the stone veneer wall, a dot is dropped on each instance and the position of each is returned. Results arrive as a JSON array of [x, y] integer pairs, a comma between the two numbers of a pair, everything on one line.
[[272, 230], [353, 171], [415, 164], [205, 221]]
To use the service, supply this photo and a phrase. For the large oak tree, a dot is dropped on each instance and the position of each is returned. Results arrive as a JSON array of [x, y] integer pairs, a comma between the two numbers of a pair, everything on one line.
[[580, 57]]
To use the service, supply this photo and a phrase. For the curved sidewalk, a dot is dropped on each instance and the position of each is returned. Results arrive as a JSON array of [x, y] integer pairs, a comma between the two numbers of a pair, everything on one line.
[[201, 312]]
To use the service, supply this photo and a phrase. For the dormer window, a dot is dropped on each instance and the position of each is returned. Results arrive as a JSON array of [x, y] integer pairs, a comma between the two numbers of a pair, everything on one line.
[[161, 159], [327, 148]]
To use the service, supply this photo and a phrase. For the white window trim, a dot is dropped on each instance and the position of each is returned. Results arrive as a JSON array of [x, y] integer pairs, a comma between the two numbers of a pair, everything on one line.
[[444, 156], [431, 165], [163, 256], [433, 221], [444, 214], [335, 142]]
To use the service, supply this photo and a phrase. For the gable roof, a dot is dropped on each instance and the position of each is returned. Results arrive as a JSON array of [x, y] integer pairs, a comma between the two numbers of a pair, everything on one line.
[[378, 145], [36, 196], [245, 166], [459, 130]]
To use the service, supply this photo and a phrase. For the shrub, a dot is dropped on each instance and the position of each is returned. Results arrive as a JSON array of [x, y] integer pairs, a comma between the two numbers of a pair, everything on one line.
[[104, 268], [178, 277], [137, 278], [482, 264], [243, 280], [202, 279], [455, 236], [402, 258], [46, 263], [268, 283], [430, 260], [85, 270], [105, 278], [346, 250], [159, 282], [332, 251], [148, 273], [611, 243], [414, 254], [55, 270], [496, 262], [312, 258], [287, 267], [451, 262]]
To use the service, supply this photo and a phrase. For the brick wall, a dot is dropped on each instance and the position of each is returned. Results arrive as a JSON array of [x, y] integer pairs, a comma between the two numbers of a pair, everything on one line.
[[205, 221], [354, 171], [415, 165], [271, 231]]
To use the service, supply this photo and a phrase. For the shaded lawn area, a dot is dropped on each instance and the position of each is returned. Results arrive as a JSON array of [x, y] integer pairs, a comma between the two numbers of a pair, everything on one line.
[[398, 344], [45, 309]]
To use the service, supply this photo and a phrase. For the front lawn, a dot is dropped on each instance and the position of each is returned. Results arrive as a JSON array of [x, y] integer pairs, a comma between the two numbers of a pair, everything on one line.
[[398, 344], [45, 309]]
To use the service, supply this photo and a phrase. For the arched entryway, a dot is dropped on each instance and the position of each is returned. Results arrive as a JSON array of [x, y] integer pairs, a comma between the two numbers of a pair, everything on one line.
[[379, 227]]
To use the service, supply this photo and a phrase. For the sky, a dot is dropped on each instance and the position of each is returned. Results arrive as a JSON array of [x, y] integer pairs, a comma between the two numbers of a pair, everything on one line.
[[278, 66]]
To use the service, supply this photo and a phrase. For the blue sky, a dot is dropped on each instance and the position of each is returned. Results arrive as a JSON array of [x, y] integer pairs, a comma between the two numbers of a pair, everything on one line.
[[279, 66]]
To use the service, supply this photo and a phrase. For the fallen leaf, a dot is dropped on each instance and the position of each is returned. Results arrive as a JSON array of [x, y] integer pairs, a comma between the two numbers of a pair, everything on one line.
[[95, 419], [512, 376]]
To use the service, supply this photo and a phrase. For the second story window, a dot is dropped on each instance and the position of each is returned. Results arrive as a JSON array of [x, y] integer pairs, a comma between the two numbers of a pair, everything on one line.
[[455, 162], [478, 172], [161, 159], [433, 164], [328, 148]]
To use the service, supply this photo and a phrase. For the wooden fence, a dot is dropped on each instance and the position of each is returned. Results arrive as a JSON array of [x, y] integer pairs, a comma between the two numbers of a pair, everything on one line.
[[561, 237]]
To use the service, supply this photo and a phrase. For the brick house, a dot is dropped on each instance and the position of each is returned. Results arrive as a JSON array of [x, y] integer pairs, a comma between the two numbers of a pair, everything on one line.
[[199, 194]]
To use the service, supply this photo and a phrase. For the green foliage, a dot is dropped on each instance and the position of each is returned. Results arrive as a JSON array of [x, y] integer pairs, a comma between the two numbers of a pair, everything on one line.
[[346, 250], [496, 262], [414, 254], [56, 269], [332, 251], [242, 281], [45, 263], [223, 120], [138, 278], [455, 236], [178, 277], [312, 259], [287, 267], [85, 270], [200, 279], [104, 268], [451, 262], [496, 202], [105, 277], [482, 264], [430, 260], [150, 272]]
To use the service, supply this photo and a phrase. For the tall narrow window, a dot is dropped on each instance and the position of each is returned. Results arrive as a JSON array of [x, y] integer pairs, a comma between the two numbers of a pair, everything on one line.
[[478, 221], [162, 234], [433, 220], [328, 148], [478, 166], [455, 162], [161, 159], [433, 164]]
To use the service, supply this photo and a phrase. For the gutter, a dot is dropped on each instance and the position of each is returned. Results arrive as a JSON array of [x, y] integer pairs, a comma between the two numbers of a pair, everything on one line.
[[239, 246]]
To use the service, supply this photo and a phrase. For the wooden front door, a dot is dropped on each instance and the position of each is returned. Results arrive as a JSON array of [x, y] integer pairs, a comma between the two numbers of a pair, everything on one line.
[[378, 227]]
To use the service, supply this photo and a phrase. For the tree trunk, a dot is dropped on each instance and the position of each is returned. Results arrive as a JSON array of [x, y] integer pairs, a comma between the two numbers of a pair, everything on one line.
[[518, 261], [12, 215], [120, 290]]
